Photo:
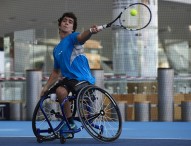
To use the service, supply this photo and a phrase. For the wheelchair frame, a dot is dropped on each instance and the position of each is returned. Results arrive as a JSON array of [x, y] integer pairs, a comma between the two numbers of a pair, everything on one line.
[[83, 100]]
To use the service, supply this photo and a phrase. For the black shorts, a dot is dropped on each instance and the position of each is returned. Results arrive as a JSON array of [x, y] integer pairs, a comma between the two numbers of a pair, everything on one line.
[[71, 85]]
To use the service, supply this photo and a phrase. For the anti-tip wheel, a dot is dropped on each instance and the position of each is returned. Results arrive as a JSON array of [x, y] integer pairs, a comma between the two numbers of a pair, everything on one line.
[[62, 139], [39, 140]]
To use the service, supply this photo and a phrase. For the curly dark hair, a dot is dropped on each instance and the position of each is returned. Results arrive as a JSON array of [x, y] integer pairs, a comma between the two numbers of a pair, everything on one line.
[[70, 15]]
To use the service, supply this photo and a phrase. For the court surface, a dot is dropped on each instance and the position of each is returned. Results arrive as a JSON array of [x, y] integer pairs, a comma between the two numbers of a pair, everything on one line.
[[19, 133]]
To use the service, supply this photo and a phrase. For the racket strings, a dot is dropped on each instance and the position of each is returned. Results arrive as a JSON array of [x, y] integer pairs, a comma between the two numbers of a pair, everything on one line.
[[139, 21]]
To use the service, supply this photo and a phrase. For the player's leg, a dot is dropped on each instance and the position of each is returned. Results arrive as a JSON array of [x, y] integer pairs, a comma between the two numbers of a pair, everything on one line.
[[62, 92]]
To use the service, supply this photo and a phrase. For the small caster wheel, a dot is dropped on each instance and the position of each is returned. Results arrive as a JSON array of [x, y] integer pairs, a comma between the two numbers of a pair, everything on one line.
[[39, 140], [62, 139]]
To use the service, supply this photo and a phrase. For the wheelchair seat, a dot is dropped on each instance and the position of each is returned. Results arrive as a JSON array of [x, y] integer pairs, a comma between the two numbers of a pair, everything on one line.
[[80, 85]]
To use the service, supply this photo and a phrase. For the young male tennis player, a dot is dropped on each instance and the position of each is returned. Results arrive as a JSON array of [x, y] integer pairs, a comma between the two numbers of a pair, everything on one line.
[[70, 62]]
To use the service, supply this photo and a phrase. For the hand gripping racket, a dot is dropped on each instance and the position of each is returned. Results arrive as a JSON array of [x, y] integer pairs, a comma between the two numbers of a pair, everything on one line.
[[132, 21]]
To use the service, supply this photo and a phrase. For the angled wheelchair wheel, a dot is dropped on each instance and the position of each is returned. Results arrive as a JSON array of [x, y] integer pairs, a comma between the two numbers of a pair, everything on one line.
[[99, 114], [46, 120]]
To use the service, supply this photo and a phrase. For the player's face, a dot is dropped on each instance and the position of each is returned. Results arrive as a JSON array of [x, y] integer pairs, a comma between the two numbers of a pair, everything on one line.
[[67, 24]]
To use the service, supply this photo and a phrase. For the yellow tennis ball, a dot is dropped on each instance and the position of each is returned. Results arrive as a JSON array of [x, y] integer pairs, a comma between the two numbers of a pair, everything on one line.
[[133, 12]]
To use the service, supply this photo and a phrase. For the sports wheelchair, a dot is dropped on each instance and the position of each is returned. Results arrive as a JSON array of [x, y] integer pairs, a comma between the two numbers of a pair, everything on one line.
[[92, 108]]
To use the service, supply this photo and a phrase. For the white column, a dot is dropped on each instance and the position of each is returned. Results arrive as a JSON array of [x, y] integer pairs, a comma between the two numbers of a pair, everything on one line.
[[135, 55]]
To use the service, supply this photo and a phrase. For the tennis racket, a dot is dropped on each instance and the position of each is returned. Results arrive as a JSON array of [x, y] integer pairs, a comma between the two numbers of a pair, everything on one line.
[[126, 20]]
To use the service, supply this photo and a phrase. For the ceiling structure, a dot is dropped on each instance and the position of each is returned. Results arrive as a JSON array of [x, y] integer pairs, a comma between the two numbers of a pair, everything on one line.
[[180, 1], [174, 15], [25, 14], [174, 20]]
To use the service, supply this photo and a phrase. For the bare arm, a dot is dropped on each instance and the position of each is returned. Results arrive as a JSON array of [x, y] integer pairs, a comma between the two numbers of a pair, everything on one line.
[[52, 79], [84, 36]]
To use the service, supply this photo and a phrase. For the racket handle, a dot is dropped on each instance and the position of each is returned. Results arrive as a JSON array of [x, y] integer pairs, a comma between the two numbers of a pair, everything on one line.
[[101, 27]]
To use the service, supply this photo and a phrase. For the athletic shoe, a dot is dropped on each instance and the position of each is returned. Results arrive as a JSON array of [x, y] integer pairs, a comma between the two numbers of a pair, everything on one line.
[[65, 128]]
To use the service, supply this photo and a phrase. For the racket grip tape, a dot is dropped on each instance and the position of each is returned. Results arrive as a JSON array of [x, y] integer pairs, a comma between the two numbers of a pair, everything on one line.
[[101, 27]]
